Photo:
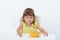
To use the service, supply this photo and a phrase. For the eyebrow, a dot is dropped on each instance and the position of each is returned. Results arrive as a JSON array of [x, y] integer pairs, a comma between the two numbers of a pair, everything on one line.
[[30, 16]]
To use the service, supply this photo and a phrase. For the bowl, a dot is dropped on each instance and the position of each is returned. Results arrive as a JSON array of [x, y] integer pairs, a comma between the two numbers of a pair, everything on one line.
[[35, 34]]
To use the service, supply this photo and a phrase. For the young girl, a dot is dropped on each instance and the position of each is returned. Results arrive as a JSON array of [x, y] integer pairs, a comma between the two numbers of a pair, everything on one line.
[[29, 23]]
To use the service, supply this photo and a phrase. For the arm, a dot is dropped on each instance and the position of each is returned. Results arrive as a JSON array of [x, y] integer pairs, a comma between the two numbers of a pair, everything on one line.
[[19, 29], [42, 30]]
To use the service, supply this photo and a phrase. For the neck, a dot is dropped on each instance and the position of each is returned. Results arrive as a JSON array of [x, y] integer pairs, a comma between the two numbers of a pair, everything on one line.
[[28, 25]]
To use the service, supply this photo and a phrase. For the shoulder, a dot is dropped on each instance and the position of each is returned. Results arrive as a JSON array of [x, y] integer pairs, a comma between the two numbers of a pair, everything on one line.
[[23, 23], [35, 22]]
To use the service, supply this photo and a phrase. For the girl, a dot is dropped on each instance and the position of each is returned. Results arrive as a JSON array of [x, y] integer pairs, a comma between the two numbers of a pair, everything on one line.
[[29, 23]]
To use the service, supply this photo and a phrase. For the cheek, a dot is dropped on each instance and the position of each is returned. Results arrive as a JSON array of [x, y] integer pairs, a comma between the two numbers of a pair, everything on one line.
[[32, 19], [25, 19]]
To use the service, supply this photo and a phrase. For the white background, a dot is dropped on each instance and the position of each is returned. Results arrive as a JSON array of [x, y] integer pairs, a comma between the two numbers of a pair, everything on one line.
[[12, 10]]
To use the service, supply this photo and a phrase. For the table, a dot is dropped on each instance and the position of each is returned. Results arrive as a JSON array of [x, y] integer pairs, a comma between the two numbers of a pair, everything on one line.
[[42, 37]]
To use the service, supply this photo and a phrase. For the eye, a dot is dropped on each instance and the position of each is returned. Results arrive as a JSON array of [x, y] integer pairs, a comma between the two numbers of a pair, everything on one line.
[[31, 17], [26, 17]]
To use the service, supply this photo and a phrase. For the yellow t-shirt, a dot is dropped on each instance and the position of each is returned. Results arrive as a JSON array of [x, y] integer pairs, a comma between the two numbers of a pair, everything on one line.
[[26, 29]]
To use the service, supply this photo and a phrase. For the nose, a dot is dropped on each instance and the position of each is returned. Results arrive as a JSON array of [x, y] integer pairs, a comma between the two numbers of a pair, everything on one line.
[[29, 19]]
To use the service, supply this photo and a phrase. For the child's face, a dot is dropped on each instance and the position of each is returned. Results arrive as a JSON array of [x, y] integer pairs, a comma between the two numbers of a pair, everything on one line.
[[28, 19]]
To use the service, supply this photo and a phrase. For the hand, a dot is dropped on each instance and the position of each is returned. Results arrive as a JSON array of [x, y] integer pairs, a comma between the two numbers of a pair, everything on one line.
[[46, 33], [20, 35]]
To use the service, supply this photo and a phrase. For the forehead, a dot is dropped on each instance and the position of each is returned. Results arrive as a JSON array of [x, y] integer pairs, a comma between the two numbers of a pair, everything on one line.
[[28, 16]]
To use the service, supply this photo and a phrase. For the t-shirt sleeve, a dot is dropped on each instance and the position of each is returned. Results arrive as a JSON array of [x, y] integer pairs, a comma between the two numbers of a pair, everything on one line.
[[36, 23]]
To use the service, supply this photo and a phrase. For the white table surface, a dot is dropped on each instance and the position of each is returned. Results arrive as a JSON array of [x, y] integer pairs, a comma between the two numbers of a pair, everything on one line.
[[42, 37], [12, 35]]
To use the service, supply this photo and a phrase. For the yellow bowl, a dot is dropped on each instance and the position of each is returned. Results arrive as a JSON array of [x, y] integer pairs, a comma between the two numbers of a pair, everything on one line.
[[35, 34]]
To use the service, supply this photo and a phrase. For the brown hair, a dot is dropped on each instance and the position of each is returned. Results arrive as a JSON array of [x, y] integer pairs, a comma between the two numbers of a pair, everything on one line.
[[28, 12]]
